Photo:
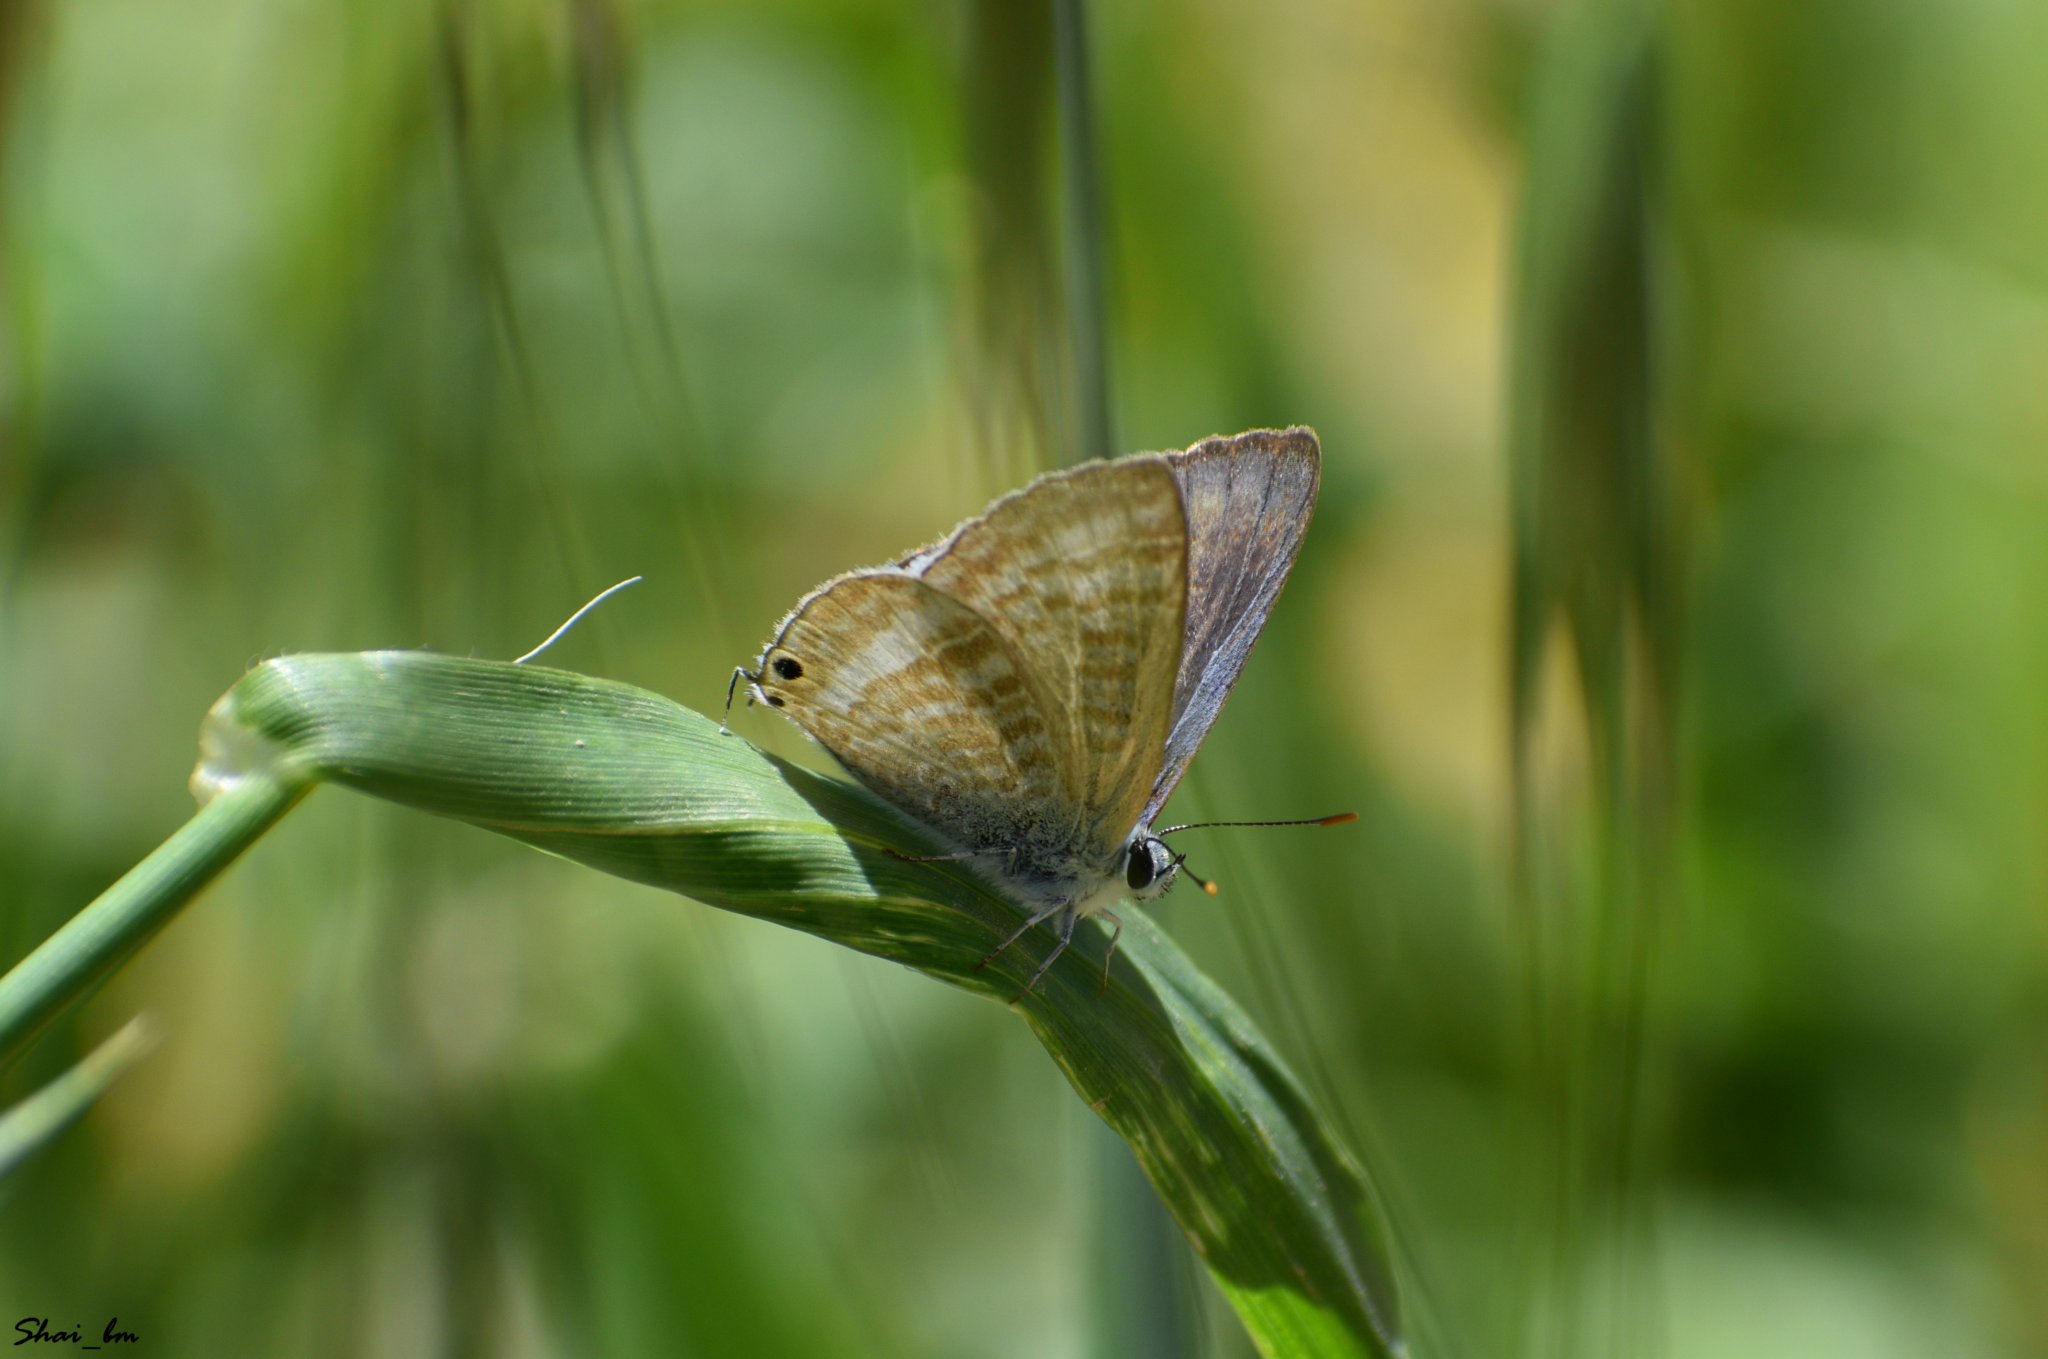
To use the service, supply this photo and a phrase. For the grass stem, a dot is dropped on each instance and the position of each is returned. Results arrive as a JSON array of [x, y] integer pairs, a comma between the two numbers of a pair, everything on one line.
[[127, 915], [1087, 316], [31, 1124]]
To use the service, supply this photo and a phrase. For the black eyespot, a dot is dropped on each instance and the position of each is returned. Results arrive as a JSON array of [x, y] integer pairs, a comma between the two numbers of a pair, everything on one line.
[[1139, 874], [787, 668], [774, 701]]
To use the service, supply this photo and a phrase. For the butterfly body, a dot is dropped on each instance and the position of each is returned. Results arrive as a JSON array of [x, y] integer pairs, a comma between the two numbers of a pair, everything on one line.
[[1032, 686]]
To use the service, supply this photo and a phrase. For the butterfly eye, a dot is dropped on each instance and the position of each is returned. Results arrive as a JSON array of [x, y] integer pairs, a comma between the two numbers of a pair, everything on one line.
[[787, 668], [1139, 874]]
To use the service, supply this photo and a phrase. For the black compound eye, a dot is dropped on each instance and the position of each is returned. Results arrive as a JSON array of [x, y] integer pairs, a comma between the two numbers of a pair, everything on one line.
[[786, 667], [1139, 873]]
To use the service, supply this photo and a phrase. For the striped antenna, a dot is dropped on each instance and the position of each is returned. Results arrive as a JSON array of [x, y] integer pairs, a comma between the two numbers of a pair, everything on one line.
[[1337, 820]]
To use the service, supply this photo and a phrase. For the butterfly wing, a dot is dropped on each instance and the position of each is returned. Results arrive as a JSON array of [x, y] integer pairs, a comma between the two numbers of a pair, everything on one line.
[[1012, 685], [1248, 502], [924, 702], [1084, 573]]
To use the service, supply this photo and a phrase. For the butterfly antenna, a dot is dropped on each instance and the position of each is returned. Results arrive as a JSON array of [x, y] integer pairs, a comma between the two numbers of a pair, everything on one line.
[[1337, 820], [574, 618], [1181, 862]]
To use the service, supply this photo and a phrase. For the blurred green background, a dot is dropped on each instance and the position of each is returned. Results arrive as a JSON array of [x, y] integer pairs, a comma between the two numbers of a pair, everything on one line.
[[1716, 1023]]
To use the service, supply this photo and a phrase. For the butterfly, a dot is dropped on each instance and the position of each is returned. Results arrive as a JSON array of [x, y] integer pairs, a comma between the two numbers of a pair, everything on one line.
[[1033, 686]]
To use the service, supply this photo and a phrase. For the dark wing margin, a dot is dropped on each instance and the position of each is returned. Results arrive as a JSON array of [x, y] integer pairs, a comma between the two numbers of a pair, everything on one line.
[[1248, 501]]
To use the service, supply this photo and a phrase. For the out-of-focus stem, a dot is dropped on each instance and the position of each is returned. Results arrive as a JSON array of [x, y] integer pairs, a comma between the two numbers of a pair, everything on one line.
[[50, 1110], [125, 916], [1087, 317]]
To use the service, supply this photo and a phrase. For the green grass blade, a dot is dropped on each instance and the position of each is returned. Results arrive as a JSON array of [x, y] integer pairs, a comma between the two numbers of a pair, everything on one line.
[[1601, 520], [31, 1124], [633, 784], [255, 790], [1087, 309]]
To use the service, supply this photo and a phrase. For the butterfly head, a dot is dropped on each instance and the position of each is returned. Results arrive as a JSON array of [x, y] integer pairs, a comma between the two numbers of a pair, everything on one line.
[[784, 667], [1150, 867]]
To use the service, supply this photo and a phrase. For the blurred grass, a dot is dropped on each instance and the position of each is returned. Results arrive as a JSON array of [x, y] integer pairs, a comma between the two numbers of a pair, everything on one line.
[[1601, 524], [424, 1094], [28, 1126]]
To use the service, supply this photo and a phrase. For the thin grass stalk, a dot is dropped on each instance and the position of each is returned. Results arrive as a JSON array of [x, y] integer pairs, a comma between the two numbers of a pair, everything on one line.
[[1015, 373], [1146, 1313], [1598, 538], [484, 253], [23, 29], [35, 1122], [87, 949], [609, 156], [1087, 307]]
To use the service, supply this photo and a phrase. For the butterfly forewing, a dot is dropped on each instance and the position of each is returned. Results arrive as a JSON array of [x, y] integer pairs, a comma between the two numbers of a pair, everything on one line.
[[1248, 501], [1084, 575]]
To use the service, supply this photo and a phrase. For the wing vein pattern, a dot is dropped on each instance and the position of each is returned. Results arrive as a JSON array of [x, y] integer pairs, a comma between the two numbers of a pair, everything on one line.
[[1012, 687], [1248, 502], [1036, 683]]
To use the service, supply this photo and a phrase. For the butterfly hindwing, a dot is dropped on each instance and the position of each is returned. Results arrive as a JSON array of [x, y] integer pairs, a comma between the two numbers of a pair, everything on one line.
[[1248, 501], [1013, 685], [1084, 573], [921, 700]]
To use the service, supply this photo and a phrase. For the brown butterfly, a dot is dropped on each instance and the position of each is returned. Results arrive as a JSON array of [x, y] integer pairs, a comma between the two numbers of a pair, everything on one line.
[[1033, 686]]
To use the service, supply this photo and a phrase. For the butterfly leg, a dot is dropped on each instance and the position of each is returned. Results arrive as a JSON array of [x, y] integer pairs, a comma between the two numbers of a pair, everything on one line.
[[739, 672], [1022, 930], [1066, 937], [1117, 934]]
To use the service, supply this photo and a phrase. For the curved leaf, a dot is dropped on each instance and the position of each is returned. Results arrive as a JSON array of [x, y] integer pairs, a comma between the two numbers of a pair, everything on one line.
[[628, 782]]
